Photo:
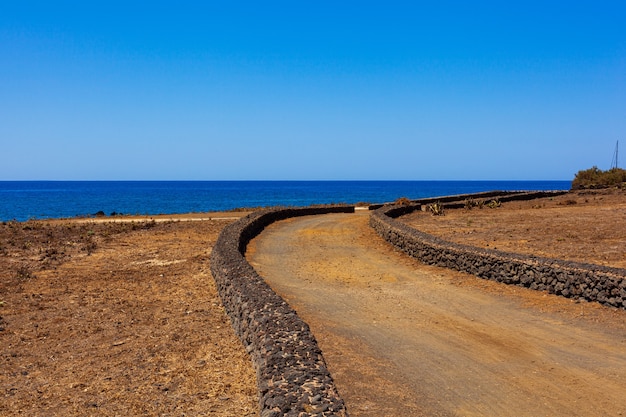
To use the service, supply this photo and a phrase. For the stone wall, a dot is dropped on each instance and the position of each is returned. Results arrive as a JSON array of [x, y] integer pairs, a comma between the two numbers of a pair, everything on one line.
[[292, 376], [569, 279]]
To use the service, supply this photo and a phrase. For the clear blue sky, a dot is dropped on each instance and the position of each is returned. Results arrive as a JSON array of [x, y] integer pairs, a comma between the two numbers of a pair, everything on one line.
[[310, 90]]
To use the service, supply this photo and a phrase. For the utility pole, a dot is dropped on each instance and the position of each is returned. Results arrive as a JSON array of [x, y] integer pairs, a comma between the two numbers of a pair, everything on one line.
[[615, 156]]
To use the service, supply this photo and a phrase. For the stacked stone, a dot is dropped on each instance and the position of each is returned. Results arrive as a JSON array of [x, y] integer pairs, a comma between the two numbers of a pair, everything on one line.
[[569, 279], [292, 377]]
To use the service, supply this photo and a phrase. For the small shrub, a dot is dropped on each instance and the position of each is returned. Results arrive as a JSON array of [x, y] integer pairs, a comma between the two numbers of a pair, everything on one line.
[[402, 201], [494, 203], [436, 209], [471, 203]]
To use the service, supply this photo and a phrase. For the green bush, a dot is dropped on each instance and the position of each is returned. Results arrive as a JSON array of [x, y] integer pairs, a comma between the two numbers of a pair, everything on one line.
[[596, 178]]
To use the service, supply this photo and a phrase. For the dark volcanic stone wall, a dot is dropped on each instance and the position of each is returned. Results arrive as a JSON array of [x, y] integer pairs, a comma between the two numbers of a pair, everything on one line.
[[292, 376], [569, 279]]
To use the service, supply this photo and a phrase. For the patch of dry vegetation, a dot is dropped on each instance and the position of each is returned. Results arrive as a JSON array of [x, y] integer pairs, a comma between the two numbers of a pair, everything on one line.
[[584, 226], [117, 319]]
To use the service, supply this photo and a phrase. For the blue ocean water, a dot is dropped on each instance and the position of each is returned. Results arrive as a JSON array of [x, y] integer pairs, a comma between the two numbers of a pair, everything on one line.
[[23, 200]]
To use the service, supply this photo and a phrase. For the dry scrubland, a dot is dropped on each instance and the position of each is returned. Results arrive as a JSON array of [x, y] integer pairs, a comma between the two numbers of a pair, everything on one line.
[[122, 318], [116, 319], [584, 226]]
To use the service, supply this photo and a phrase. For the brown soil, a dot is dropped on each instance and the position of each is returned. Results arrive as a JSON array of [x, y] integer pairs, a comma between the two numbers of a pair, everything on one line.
[[583, 226], [117, 318], [401, 338], [122, 318]]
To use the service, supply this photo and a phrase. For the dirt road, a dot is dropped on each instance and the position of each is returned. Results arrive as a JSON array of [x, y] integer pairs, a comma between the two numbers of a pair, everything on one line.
[[404, 339]]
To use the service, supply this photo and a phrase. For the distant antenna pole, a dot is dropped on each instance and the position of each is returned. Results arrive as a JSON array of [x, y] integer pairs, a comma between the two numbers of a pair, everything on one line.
[[615, 156]]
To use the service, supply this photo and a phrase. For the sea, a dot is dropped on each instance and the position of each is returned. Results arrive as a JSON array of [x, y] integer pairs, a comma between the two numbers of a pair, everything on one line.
[[25, 200]]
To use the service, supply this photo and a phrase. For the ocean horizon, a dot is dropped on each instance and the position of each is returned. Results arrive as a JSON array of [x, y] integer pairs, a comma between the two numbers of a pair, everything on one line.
[[24, 200]]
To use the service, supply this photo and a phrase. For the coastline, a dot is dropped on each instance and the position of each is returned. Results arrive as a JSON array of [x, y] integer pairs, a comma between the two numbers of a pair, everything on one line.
[[42, 200]]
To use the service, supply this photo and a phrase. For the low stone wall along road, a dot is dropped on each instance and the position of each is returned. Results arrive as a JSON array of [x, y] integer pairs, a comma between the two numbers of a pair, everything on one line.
[[402, 338]]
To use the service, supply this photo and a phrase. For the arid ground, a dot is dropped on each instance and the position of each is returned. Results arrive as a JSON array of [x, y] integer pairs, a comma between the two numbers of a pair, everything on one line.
[[108, 319], [401, 338], [122, 318], [584, 226]]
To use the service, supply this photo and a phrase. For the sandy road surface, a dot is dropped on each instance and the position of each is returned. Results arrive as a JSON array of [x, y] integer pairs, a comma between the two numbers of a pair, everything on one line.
[[403, 339]]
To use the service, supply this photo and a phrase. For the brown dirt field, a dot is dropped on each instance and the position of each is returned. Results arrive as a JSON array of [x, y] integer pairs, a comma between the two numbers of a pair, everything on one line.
[[117, 318], [584, 226]]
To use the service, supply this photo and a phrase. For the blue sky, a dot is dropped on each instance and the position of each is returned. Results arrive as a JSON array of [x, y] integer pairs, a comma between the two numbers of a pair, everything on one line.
[[310, 90]]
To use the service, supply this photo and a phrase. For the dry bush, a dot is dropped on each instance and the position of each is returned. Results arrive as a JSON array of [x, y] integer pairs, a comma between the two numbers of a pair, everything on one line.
[[402, 201], [436, 209]]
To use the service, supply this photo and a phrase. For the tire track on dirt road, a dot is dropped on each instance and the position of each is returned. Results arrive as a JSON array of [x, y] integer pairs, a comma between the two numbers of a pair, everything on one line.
[[401, 338]]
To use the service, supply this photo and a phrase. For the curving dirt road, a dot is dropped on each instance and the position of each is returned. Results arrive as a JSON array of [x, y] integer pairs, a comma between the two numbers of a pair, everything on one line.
[[401, 338]]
